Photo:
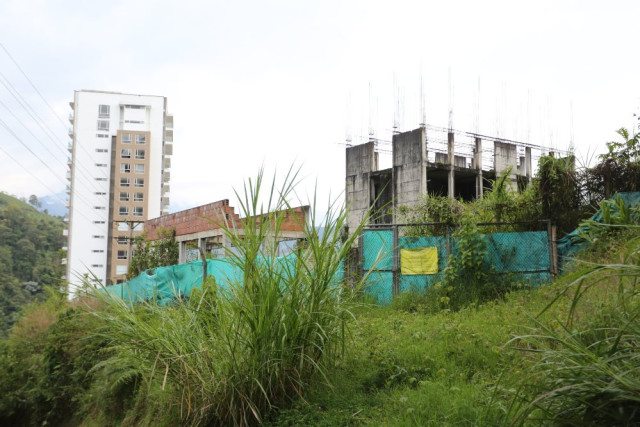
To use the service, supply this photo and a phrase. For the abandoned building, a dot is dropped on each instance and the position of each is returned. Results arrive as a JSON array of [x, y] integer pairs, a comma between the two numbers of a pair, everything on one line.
[[200, 228], [430, 160]]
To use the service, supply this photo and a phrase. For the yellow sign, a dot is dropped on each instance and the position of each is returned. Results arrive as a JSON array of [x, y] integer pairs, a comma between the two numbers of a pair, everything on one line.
[[419, 261]]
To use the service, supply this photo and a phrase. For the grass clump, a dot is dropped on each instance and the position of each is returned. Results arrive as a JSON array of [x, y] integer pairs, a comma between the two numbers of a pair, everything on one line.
[[587, 367], [232, 357]]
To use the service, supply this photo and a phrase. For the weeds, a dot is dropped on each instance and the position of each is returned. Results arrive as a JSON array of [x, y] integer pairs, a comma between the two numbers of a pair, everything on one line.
[[588, 366]]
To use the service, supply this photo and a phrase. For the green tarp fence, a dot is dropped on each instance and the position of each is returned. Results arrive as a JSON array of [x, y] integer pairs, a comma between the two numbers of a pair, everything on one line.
[[164, 284], [571, 244], [522, 253]]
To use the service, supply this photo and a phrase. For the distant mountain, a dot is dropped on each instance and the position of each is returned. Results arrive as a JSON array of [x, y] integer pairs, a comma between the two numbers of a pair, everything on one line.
[[54, 204]]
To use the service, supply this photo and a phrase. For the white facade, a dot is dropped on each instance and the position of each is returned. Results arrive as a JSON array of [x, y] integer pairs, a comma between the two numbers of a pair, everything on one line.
[[99, 119]]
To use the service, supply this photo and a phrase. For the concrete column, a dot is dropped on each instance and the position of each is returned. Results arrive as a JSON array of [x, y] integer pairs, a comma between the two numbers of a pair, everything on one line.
[[202, 246], [451, 178], [527, 164], [477, 161], [182, 252]]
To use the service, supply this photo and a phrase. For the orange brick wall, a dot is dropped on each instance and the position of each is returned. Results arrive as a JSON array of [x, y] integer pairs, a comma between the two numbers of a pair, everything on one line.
[[206, 218]]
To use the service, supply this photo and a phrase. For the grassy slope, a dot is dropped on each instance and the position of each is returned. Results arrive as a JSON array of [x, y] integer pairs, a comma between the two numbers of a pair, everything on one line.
[[459, 368]]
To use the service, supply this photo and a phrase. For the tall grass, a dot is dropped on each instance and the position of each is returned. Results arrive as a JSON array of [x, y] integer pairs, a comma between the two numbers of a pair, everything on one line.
[[587, 366], [228, 357]]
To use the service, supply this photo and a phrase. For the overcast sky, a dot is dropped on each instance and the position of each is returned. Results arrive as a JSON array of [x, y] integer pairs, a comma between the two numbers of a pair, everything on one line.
[[282, 82]]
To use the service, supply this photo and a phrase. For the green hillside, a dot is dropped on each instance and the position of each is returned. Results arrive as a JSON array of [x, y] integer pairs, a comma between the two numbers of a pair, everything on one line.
[[30, 254]]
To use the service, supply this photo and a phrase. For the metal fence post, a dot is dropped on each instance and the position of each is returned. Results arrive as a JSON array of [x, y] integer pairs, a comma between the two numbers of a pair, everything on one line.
[[360, 251], [448, 240], [552, 260], [395, 290]]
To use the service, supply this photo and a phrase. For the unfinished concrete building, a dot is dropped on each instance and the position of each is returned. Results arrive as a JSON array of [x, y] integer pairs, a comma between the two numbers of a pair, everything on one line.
[[200, 228], [429, 160]]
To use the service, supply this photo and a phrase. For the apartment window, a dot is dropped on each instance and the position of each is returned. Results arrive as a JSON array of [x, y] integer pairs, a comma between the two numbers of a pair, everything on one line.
[[123, 226], [96, 265], [97, 251], [139, 168], [126, 138], [140, 154], [121, 269], [101, 179], [100, 193], [122, 254], [125, 167], [124, 196], [135, 122], [124, 182], [103, 110], [139, 182], [141, 139], [138, 197], [98, 222], [125, 153], [101, 165], [98, 236], [102, 135], [122, 240], [138, 211], [99, 207], [103, 124], [123, 210], [101, 150]]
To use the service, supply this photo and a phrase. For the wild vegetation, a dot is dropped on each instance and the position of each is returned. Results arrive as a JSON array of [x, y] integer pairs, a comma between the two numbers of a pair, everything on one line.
[[285, 344], [151, 254], [30, 254]]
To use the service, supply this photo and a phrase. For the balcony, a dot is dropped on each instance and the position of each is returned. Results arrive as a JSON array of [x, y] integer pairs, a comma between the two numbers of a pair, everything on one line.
[[166, 189], [63, 261], [168, 135], [165, 202], [166, 176], [71, 133], [69, 161], [70, 147], [69, 175], [167, 163], [169, 122], [65, 232], [65, 219], [72, 105], [168, 149], [71, 118], [64, 248]]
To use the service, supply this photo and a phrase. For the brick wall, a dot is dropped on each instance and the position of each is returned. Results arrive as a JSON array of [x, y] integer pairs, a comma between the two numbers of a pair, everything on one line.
[[207, 217]]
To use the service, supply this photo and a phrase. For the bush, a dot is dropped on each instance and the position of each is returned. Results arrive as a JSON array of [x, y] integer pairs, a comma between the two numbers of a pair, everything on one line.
[[470, 278]]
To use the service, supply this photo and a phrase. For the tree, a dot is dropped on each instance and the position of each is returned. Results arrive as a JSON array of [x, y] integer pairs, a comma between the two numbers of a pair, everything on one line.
[[151, 254], [618, 170], [559, 188], [33, 201]]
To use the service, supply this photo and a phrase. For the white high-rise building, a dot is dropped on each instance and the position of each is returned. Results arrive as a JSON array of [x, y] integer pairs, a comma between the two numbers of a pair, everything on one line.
[[121, 146]]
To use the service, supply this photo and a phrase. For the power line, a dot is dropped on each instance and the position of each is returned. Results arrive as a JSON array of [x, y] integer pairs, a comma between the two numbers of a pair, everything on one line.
[[41, 183]]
